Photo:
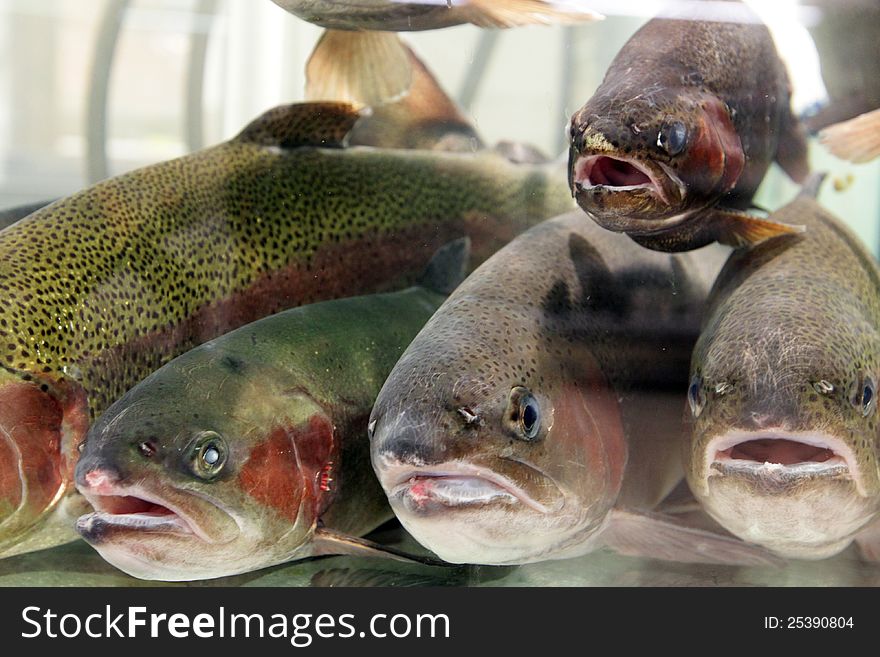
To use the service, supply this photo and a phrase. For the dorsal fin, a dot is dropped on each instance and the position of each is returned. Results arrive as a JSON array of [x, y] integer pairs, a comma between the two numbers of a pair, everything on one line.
[[303, 124], [447, 267], [422, 117]]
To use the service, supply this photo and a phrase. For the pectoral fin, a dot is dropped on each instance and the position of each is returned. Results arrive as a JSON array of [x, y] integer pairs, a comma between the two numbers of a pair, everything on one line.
[[735, 228], [653, 536], [328, 542], [513, 13], [856, 140], [363, 68]]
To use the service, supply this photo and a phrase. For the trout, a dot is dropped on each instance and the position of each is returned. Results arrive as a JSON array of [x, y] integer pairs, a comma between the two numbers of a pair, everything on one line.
[[674, 143], [251, 450], [536, 415], [783, 396], [102, 288]]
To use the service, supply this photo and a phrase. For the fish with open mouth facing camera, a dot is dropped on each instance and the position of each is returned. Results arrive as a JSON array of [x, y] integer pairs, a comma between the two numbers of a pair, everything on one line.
[[783, 392], [674, 143], [538, 415]]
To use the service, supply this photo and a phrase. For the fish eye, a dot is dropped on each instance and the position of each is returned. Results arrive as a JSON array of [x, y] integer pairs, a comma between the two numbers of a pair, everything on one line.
[[524, 413], [672, 138], [867, 399], [209, 454], [696, 400]]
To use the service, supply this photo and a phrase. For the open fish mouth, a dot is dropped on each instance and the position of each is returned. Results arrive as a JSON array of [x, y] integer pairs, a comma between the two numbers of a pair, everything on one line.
[[132, 509], [455, 486], [617, 174], [782, 455]]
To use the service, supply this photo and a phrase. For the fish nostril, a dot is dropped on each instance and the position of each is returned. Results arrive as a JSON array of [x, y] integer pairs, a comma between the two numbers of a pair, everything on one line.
[[99, 480], [146, 448]]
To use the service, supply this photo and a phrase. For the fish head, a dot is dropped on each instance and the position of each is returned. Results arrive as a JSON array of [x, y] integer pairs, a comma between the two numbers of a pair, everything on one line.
[[784, 445], [195, 474], [42, 423], [497, 454], [647, 164]]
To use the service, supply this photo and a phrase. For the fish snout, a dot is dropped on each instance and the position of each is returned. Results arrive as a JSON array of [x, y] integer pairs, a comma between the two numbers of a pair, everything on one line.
[[96, 478], [409, 446]]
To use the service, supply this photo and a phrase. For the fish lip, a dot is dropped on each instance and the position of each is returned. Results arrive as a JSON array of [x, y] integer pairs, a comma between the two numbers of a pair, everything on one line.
[[584, 164], [399, 480], [180, 522], [842, 465]]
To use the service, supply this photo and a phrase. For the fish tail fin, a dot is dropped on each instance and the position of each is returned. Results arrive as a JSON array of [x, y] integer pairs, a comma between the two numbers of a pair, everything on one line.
[[513, 13], [363, 68], [425, 118], [736, 229], [448, 267], [856, 140]]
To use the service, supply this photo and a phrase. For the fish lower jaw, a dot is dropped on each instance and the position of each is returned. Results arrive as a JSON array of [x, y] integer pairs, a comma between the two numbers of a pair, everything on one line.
[[781, 460], [614, 174], [421, 494], [133, 510], [93, 526], [455, 486]]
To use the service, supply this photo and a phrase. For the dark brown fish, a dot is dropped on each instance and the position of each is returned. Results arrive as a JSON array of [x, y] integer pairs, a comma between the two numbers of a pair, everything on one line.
[[675, 141]]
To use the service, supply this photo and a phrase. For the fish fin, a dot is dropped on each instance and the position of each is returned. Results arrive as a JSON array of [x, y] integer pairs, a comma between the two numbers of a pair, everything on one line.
[[653, 536], [791, 149], [513, 13], [856, 140], [813, 184], [426, 118], [328, 542], [303, 124], [736, 228], [448, 267], [363, 68]]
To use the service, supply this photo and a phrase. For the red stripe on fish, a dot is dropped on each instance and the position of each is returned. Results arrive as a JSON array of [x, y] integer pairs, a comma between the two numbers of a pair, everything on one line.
[[289, 465], [30, 434]]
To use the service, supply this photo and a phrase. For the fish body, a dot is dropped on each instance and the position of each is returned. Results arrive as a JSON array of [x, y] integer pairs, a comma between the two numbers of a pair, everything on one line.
[[251, 449], [675, 141], [536, 415], [101, 288], [784, 447], [392, 16]]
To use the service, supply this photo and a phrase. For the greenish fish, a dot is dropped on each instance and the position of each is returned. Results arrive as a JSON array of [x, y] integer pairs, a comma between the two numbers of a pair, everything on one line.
[[537, 415], [675, 141], [102, 288], [252, 450], [784, 448]]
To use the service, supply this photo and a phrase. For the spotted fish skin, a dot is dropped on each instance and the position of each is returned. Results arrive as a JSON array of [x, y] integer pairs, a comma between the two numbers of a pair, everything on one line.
[[674, 143], [100, 289], [785, 440], [596, 333]]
